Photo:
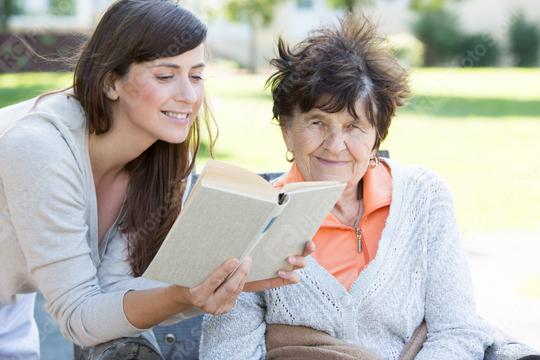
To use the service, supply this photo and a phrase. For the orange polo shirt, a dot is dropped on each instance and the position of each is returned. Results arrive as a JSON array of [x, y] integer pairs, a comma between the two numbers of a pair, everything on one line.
[[337, 244]]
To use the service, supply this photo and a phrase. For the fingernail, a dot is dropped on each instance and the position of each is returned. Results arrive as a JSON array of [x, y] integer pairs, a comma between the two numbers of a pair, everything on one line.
[[283, 274], [292, 260]]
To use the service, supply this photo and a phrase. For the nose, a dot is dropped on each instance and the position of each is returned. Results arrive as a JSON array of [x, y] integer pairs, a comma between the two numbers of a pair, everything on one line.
[[185, 91], [335, 141]]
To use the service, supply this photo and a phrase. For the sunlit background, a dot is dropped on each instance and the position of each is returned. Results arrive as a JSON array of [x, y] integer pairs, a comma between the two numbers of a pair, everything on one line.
[[474, 117]]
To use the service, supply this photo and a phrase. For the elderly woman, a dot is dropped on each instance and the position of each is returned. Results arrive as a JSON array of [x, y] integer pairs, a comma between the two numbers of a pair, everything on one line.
[[388, 255]]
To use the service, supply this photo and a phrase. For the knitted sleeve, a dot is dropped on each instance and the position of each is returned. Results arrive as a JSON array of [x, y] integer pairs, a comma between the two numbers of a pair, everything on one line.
[[454, 331], [239, 334]]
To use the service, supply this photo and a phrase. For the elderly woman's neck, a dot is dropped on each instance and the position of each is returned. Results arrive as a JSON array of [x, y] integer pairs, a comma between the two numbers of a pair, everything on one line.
[[349, 207]]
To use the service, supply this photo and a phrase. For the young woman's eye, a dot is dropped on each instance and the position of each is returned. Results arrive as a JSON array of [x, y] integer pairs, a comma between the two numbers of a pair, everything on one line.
[[164, 77], [197, 77]]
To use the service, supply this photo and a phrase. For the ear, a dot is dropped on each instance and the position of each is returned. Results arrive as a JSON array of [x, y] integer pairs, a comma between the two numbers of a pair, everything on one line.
[[109, 88]]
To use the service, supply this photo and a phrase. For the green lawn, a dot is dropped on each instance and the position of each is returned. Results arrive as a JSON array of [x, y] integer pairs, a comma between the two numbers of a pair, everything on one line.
[[477, 128]]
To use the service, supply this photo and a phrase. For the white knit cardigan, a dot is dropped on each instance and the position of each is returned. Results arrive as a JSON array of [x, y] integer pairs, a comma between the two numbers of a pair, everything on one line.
[[419, 272]]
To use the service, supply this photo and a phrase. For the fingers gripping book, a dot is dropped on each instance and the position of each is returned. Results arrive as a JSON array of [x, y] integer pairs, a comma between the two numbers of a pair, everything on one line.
[[232, 212]]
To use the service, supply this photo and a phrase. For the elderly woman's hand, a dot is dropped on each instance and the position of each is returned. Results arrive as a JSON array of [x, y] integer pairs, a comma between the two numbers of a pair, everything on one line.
[[285, 277]]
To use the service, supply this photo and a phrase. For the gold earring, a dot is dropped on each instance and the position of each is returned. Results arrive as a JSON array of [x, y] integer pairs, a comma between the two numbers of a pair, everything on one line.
[[289, 156], [374, 162]]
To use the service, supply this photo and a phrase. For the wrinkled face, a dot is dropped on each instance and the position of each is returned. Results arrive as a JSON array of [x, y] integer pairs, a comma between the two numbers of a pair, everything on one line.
[[161, 98], [331, 146]]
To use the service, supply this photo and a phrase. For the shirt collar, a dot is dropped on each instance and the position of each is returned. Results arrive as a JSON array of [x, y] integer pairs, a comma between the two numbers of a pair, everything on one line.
[[292, 176], [377, 190]]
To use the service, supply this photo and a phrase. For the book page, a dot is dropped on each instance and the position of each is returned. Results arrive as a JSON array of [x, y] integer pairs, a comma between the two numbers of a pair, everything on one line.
[[298, 222], [236, 179], [214, 226], [269, 223], [306, 184]]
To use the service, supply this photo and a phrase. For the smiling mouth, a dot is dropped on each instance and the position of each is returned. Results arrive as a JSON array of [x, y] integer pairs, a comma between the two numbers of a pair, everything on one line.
[[331, 162], [179, 118]]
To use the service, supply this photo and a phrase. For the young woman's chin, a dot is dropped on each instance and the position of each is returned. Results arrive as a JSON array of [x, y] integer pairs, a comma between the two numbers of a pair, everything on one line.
[[169, 132], [174, 137], [176, 131]]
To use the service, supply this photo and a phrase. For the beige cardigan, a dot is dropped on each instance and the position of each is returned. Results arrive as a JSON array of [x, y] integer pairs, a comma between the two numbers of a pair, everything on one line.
[[48, 220]]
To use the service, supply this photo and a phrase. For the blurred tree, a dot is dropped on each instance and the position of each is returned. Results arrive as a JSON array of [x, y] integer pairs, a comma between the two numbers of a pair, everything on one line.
[[524, 40], [257, 13], [477, 50], [439, 31], [6, 12], [415, 5], [430, 5], [9, 8], [62, 7], [349, 5], [424, 5]]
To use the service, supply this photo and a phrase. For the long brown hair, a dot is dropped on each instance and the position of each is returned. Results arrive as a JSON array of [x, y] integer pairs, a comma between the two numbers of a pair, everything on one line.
[[134, 31]]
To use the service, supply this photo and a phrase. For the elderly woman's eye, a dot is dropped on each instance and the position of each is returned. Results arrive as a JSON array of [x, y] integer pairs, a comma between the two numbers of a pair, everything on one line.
[[356, 127]]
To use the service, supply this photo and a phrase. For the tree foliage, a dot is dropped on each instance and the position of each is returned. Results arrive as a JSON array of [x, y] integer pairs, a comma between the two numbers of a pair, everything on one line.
[[349, 5], [524, 38], [6, 10], [415, 5], [62, 7], [251, 10], [429, 5], [439, 31], [255, 13]]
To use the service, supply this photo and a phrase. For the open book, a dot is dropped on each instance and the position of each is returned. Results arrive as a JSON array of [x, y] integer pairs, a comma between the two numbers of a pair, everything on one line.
[[233, 213]]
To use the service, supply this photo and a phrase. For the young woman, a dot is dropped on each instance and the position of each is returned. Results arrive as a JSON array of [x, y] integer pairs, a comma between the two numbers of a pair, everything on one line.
[[82, 166]]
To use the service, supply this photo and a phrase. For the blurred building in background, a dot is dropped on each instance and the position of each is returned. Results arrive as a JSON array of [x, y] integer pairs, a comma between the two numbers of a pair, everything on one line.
[[52, 15], [292, 19]]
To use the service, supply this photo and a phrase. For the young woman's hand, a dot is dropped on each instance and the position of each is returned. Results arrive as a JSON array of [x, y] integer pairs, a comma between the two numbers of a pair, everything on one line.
[[217, 294], [285, 277]]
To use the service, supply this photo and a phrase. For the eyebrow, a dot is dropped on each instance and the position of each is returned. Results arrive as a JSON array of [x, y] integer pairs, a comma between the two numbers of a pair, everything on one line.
[[175, 66], [317, 115]]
